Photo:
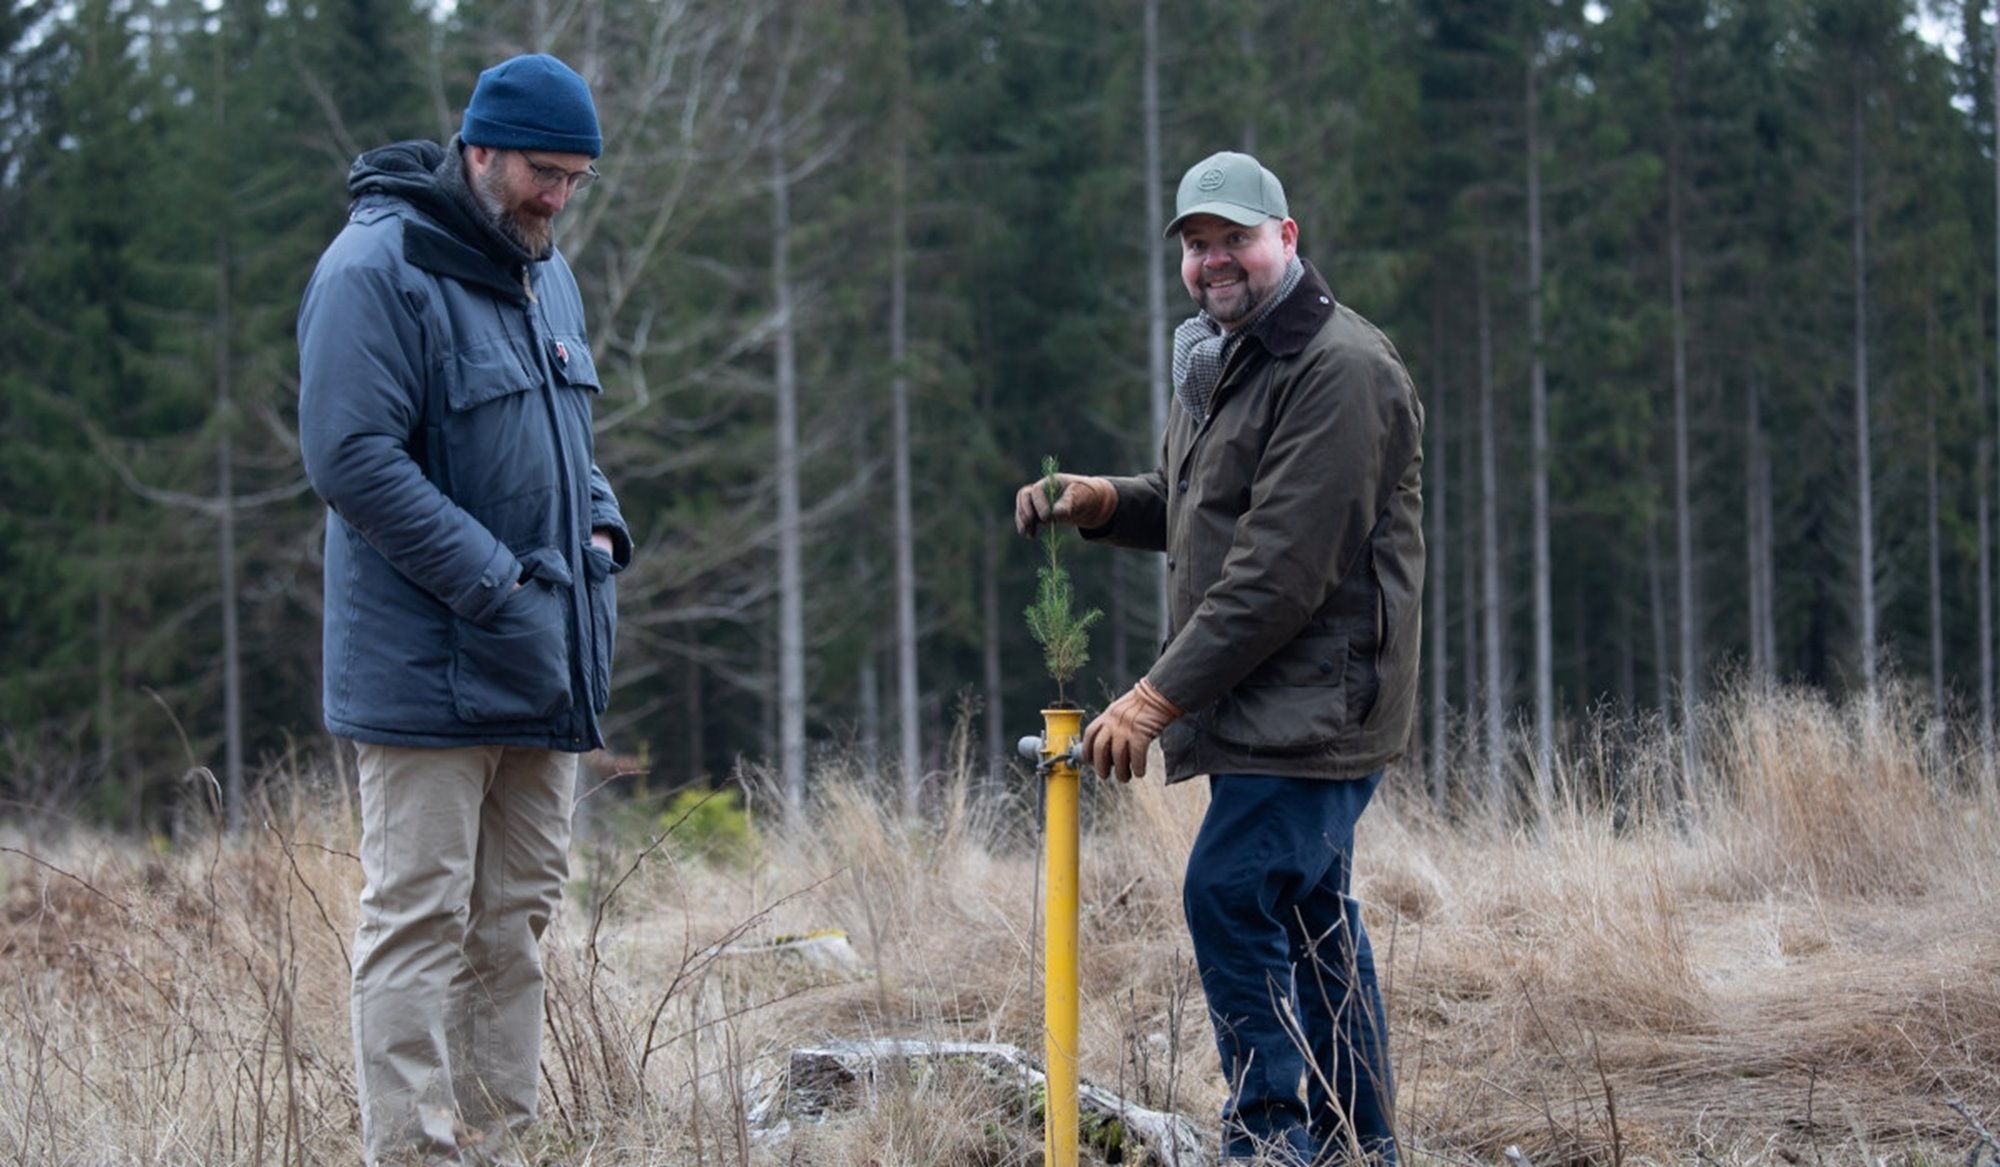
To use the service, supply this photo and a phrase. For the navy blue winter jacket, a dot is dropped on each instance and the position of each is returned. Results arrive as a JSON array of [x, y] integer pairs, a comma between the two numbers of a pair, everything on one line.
[[444, 416]]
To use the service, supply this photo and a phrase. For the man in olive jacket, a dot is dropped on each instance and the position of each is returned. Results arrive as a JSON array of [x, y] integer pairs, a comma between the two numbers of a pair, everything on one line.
[[1288, 503], [445, 417]]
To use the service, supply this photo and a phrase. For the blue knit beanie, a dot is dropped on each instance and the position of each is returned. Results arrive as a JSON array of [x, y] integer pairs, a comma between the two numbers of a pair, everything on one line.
[[532, 102]]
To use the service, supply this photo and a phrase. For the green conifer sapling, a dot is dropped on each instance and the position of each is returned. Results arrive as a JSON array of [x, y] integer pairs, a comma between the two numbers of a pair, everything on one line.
[[1063, 635]]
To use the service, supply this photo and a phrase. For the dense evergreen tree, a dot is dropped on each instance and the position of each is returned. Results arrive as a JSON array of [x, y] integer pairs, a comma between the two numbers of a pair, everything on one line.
[[97, 603]]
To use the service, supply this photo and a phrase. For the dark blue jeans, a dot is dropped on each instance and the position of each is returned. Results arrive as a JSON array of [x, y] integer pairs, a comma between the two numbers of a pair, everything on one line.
[[1287, 970]]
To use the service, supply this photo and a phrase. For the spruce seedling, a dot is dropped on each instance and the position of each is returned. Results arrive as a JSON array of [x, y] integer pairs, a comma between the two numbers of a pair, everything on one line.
[[1063, 635]]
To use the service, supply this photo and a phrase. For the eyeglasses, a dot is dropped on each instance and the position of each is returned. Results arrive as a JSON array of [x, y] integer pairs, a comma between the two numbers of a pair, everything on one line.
[[550, 177]]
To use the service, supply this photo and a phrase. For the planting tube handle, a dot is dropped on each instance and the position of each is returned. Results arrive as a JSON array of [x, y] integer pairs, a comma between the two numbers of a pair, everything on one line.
[[1031, 749]]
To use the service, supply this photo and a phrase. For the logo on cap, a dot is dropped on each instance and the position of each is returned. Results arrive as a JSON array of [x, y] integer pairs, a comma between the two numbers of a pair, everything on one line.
[[1211, 179]]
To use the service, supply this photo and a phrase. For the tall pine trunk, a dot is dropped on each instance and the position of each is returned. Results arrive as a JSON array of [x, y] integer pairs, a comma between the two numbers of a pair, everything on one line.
[[225, 500], [1663, 673], [791, 585], [910, 745], [1986, 678], [1470, 629], [1438, 544], [1538, 408], [1156, 275], [1985, 520], [1757, 538], [1683, 508], [225, 538], [1936, 560], [1863, 463], [1489, 547]]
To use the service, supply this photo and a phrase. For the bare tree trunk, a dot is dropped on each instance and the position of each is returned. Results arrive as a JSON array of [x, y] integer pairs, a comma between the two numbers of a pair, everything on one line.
[[1863, 463], [1936, 555], [1663, 678], [1246, 47], [997, 736], [1469, 625], [1489, 567], [910, 743], [1156, 275], [1986, 680], [695, 711], [1625, 680], [1984, 493], [1690, 632], [1757, 537], [1538, 410], [1438, 545], [868, 683], [1122, 588], [791, 586], [107, 672], [1767, 563], [989, 615], [225, 498]]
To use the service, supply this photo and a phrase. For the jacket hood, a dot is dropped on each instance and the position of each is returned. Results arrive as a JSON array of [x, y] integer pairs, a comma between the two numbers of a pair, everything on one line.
[[431, 178], [404, 169]]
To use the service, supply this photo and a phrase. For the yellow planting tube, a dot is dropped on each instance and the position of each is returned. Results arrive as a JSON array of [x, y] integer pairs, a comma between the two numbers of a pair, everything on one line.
[[1059, 1133]]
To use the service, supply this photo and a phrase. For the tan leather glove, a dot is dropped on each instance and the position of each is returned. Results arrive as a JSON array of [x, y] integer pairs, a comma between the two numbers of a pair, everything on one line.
[[1115, 744], [1085, 501]]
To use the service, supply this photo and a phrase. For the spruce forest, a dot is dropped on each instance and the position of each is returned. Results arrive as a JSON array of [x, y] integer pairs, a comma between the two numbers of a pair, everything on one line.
[[1699, 295]]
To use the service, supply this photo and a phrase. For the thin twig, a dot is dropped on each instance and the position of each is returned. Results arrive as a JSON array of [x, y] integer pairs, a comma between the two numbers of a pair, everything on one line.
[[1610, 1104], [285, 845]]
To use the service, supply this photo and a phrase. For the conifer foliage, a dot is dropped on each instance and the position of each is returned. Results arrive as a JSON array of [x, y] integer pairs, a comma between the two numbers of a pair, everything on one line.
[[1062, 631]]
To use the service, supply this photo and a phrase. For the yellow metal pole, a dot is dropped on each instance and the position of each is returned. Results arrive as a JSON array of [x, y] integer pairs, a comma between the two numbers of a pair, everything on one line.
[[1059, 1134]]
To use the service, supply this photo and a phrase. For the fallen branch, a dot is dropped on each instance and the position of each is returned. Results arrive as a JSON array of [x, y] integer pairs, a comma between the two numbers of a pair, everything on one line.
[[842, 1076], [1986, 1140]]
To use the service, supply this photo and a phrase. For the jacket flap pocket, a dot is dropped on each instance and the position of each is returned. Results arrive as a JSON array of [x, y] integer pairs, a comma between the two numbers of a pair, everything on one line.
[[547, 565], [1314, 659], [488, 372], [569, 356]]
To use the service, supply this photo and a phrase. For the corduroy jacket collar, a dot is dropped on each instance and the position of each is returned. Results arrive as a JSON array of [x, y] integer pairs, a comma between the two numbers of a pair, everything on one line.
[[1296, 321]]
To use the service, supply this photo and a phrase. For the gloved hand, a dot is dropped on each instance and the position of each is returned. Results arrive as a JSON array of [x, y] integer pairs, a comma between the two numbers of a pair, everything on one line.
[[1115, 743], [1084, 501]]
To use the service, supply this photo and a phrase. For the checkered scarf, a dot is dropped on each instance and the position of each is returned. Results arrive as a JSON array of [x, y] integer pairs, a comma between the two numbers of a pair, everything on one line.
[[1201, 348]]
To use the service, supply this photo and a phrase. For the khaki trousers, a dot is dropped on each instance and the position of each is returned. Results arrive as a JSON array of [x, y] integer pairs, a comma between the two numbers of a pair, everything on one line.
[[464, 853]]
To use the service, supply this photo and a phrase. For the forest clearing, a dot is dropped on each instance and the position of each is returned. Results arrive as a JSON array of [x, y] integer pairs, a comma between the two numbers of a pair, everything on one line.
[[1699, 299], [1798, 966]]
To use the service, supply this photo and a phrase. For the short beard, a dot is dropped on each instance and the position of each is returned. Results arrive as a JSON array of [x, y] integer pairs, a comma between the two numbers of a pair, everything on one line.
[[1254, 299], [531, 233]]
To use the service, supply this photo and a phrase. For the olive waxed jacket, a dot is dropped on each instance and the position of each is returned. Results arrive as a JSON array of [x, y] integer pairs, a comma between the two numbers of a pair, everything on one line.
[[1292, 522]]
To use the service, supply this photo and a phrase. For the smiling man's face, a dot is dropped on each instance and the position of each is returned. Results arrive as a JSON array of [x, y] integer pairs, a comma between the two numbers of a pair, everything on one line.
[[1230, 269]]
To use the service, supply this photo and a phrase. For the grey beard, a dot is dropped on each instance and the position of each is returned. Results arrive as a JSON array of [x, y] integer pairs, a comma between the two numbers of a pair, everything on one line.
[[538, 239]]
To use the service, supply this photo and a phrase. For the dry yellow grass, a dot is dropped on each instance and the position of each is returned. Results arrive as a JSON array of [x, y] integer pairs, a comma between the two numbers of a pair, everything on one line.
[[1800, 965]]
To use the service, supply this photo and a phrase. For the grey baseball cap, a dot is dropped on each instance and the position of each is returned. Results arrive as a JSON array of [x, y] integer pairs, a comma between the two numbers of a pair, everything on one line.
[[1234, 186]]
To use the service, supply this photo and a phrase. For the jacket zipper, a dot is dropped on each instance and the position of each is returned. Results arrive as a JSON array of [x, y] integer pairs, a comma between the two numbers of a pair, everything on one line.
[[580, 590]]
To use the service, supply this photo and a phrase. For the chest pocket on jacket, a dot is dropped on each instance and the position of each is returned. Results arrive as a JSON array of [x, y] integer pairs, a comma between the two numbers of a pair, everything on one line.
[[569, 357], [487, 372], [498, 442]]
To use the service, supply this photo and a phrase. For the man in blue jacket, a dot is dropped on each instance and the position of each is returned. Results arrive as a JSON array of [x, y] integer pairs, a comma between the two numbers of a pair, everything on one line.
[[445, 417]]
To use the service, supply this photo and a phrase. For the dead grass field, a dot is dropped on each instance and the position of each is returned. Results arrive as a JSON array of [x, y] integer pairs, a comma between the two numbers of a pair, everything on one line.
[[1802, 966]]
